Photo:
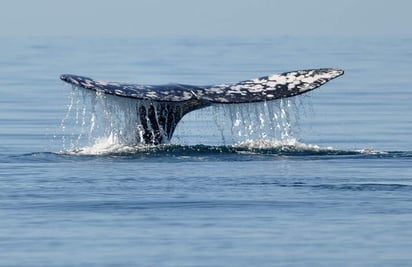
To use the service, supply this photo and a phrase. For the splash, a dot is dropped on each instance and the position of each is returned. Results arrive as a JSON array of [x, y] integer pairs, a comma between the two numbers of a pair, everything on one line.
[[96, 123]]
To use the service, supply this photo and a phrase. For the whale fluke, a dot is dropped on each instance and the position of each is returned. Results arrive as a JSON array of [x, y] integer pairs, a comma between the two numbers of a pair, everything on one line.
[[165, 105]]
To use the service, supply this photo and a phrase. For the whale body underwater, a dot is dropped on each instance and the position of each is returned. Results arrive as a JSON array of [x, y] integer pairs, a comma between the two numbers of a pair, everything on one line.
[[161, 107]]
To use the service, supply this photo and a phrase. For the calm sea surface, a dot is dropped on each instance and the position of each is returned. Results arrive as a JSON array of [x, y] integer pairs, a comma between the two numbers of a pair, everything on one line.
[[323, 179]]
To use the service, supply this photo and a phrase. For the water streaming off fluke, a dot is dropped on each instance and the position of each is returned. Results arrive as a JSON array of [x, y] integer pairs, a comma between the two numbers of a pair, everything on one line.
[[99, 123]]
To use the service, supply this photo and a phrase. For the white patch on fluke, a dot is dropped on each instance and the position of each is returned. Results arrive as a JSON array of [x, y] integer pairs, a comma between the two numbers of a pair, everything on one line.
[[282, 85]]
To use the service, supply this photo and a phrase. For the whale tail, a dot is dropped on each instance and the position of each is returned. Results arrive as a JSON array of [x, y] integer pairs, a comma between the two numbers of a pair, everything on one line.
[[161, 107]]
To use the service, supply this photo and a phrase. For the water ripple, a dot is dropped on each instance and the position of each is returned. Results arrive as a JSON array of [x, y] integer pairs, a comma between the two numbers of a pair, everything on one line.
[[206, 153]]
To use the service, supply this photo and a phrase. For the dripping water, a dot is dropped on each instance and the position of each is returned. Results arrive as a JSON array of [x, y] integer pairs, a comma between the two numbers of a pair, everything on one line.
[[98, 121], [94, 119], [103, 121], [268, 121]]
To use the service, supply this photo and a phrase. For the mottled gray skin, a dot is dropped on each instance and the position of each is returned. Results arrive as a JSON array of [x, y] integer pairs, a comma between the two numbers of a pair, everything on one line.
[[170, 102]]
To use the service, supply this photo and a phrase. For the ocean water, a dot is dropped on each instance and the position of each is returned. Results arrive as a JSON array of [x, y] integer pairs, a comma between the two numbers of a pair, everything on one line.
[[317, 180]]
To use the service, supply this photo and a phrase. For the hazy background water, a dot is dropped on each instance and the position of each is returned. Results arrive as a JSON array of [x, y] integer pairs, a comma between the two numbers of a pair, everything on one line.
[[210, 205]]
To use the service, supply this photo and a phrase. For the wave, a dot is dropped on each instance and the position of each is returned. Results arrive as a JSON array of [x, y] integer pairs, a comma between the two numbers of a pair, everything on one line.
[[192, 153], [251, 148]]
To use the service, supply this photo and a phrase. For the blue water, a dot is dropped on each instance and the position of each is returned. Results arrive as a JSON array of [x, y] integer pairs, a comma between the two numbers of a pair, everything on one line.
[[331, 186]]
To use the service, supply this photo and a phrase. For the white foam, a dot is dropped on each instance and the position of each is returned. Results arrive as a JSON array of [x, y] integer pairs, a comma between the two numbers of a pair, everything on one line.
[[272, 143], [370, 151], [106, 146]]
